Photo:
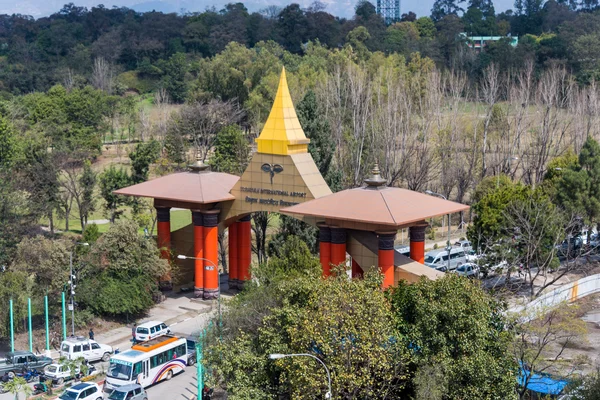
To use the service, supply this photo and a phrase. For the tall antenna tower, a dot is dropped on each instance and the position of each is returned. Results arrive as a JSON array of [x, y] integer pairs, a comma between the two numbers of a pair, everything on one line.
[[389, 10]]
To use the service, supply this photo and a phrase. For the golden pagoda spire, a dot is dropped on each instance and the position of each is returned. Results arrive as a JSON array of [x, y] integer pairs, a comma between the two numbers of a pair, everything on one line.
[[282, 133]]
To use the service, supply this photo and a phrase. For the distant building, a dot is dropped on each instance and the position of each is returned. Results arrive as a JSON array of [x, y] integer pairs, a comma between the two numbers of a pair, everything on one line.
[[389, 10], [479, 42]]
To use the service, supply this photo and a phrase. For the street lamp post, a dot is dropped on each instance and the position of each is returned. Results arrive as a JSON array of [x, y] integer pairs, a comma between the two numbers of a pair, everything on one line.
[[72, 285], [278, 356], [448, 247]]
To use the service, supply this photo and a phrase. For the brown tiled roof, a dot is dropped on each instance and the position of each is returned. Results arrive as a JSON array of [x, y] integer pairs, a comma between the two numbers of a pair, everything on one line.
[[377, 205], [202, 188]]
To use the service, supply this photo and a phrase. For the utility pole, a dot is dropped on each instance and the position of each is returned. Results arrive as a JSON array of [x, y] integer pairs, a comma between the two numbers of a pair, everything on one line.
[[73, 286]]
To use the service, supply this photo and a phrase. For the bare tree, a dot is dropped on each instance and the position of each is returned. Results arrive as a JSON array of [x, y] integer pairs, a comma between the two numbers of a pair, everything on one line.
[[541, 338], [534, 229], [200, 122], [490, 91], [102, 75], [69, 80]]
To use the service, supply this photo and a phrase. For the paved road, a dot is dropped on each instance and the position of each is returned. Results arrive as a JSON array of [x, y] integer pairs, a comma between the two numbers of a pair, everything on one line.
[[182, 386]]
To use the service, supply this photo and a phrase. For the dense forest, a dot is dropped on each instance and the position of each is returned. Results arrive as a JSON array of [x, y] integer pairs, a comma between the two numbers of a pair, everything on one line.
[[142, 48]]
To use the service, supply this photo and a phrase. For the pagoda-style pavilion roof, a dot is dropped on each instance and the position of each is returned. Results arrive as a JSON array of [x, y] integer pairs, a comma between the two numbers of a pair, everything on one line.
[[200, 187], [375, 204]]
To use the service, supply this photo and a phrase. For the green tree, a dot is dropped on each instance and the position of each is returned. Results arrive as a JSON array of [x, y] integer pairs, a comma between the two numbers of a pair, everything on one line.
[[231, 151], [293, 256], [18, 385], [121, 271], [110, 180], [18, 213], [91, 233], [452, 324], [145, 153], [554, 172], [356, 38], [8, 143], [426, 27], [86, 199], [490, 219], [443, 8], [317, 129], [173, 79], [579, 187], [46, 261]]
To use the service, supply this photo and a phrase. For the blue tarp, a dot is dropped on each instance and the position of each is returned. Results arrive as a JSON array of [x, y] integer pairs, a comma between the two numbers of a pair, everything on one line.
[[542, 383]]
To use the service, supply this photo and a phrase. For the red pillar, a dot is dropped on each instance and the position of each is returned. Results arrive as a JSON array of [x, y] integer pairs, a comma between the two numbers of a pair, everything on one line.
[[325, 249], [211, 252], [244, 249], [417, 243], [338, 246], [357, 271], [233, 256], [386, 258], [163, 228], [198, 253]]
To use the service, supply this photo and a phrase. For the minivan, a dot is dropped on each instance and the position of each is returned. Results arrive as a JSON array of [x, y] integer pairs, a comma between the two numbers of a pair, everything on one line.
[[150, 330], [438, 259]]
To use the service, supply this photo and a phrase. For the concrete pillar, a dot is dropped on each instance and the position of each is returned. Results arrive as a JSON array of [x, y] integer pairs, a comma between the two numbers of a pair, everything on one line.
[[325, 249], [386, 257], [417, 243], [211, 252], [338, 246], [233, 255], [244, 249], [357, 271], [198, 221], [163, 240]]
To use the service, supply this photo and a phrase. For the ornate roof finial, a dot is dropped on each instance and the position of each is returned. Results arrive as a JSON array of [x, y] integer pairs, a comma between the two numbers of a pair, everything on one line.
[[375, 181], [198, 166]]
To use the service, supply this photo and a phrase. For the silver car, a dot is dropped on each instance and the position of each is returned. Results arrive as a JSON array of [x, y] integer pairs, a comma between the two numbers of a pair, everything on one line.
[[129, 392], [470, 270]]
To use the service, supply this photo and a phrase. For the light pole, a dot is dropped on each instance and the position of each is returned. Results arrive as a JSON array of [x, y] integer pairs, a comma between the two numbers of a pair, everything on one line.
[[429, 192], [278, 356], [184, 257], [72, 285]]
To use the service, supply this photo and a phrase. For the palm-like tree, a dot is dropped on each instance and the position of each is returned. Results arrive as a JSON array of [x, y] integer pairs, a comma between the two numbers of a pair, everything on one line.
[[18, 385]]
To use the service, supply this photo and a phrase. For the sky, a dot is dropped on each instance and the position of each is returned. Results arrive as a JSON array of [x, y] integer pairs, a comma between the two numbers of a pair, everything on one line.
[[342, 8]]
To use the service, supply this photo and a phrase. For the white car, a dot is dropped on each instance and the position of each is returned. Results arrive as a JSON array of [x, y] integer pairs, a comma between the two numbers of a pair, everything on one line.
[[82, 391], [470, 270], [150, 330], [75, 347]]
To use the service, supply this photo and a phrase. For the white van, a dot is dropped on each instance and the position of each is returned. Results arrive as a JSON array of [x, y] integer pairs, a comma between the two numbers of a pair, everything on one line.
[[438, 259], [150, 330], [75, 347]]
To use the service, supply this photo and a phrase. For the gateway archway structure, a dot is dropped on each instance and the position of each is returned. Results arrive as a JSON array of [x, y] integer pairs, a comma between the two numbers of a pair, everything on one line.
[[282, 177]]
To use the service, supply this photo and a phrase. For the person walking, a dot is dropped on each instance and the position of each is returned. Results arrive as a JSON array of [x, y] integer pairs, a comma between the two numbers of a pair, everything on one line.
[[91, 333]]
